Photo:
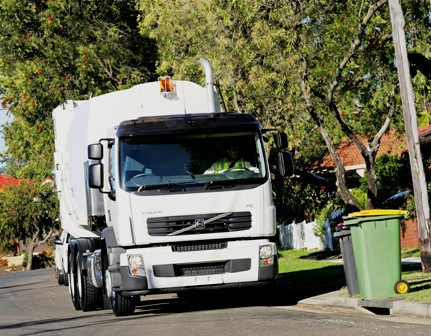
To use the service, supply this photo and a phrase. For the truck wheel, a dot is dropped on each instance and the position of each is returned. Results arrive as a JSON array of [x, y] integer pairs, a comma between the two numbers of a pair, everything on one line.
[[107, 288], [121, 305], [73, 286], [60, 277], [66, 279], [87, 293]]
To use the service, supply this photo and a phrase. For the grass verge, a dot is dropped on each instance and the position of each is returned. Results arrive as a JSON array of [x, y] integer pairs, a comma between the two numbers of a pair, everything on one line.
[[317, 271]]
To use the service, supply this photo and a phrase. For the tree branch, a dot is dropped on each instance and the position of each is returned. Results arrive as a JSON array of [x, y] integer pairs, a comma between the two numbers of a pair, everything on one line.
[[375, 144], [340, 171]]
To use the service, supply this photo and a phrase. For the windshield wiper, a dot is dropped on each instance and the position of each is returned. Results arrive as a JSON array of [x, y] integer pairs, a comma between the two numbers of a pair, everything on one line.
[[199, 224], [219, 183]]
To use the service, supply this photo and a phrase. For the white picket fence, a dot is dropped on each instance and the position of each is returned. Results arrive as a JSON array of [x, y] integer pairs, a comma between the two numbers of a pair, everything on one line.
[[301, 236]]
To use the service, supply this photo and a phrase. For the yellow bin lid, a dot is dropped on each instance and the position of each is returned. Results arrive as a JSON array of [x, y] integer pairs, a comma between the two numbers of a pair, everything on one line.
[[377, 212]]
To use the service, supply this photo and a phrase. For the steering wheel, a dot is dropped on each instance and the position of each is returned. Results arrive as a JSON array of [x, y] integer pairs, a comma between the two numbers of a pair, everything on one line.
[[145, 179], [238, 172]]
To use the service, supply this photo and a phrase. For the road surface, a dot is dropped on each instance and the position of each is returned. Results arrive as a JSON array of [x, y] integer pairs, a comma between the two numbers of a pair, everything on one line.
[[32, 303]]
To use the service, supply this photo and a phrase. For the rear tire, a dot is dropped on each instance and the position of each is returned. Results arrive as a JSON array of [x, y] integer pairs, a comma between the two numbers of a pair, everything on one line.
[[89, 296], [73, 286], [60, 277], [66, 279]]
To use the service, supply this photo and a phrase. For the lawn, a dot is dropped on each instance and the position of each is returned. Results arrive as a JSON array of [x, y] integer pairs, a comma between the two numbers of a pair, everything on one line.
[[318, 271]]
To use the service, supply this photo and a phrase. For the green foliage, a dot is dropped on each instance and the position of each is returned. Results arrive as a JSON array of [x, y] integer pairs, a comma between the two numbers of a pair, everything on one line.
[[51, 51], [360, 196], [388, 169], [304, 201], [258, 50], [25, 259], [410, 206], [31, 148], [319, 228], [28, 211]]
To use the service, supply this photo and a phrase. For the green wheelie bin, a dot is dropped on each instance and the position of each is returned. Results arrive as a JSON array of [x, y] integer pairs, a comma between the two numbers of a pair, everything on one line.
[[377, 252]]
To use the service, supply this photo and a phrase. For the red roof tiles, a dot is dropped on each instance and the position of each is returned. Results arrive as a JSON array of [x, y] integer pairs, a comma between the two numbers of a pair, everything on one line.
[[391, 143]]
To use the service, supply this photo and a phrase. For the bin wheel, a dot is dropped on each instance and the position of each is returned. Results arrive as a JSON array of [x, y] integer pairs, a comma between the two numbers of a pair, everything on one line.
[[402, 287]]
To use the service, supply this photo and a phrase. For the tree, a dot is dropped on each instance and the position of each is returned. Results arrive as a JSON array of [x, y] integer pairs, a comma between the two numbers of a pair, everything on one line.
[[29, 212], [333, 59], [51, 51], [321, 70]]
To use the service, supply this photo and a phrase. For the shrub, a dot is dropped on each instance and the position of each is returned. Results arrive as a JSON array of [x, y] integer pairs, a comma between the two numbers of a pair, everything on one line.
[[25, 259], [4, 262], [361, 197], [44, 259]]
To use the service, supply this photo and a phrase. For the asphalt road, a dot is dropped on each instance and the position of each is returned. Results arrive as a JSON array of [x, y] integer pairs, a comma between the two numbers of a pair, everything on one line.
[[32, 303]]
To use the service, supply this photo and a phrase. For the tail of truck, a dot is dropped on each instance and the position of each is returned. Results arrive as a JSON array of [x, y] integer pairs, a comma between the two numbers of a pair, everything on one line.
[[147, 213]]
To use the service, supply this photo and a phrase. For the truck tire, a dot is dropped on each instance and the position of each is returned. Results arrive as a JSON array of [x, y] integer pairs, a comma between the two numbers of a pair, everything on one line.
[[65, 279], [121, 305], [89, 298], [60, 277], [73, 286]]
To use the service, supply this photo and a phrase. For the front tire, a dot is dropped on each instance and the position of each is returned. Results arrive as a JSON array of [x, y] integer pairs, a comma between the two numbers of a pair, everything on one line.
[[121, 305]]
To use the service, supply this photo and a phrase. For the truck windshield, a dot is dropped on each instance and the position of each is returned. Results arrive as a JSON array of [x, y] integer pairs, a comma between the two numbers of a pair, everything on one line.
[[146, 162]]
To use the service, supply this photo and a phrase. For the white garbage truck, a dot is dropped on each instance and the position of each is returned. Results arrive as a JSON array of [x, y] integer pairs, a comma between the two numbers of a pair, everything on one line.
[[146, 213]]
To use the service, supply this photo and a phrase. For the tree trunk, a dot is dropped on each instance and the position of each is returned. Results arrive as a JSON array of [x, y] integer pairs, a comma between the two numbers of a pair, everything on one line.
[[30, 250]]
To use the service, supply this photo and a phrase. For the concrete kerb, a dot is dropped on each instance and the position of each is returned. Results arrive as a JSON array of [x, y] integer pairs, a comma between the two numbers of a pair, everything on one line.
[[398, 307], [333, 299], [403, 307]]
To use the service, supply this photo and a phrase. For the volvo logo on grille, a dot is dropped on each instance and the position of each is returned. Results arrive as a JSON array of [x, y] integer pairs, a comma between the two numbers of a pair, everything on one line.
[[199, 224]]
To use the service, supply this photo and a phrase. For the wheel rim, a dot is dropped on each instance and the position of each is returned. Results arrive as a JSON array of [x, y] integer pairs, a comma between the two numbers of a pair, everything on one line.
[[402, 287]]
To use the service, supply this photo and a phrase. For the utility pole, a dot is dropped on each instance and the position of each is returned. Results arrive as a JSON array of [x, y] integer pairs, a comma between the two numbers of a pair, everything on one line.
[[411, 128]]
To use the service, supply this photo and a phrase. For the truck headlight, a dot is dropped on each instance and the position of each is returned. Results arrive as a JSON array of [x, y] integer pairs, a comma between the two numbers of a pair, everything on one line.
[[136, 264], [265, 256]]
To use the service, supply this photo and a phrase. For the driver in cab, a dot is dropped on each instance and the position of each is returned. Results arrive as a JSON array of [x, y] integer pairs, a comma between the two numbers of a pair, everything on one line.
[[232, 160]]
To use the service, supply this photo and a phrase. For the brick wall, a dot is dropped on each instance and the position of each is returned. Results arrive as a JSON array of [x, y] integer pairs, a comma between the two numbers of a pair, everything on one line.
[[409, 234]]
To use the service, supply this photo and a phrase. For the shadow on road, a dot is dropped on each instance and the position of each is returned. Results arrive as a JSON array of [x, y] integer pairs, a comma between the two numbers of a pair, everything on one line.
[[287, 291]]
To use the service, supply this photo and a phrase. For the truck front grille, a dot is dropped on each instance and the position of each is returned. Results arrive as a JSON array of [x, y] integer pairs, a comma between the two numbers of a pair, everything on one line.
[[204, 268], [193, 270], [204, 246], [184, 225]]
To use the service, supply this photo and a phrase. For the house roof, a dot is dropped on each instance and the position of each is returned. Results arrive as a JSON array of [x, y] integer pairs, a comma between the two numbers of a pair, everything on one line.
[[391, 143]]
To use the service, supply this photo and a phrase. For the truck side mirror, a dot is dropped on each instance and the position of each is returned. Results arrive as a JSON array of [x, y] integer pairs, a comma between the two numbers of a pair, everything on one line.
[[95, 151], [281, 141], [95, 176], [285, 163]]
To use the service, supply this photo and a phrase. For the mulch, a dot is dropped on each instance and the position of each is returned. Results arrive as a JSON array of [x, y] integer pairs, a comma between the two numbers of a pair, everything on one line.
[[10, 269]]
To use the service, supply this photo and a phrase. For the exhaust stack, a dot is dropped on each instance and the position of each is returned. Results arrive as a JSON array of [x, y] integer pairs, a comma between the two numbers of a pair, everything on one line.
[[209, 83]]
